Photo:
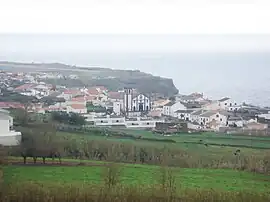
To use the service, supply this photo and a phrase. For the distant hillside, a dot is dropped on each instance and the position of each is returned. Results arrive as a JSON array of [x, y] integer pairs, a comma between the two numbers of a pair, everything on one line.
[[90, 76]]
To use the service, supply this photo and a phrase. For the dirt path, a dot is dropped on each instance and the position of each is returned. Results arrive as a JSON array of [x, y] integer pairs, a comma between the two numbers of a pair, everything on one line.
[[52, 163]]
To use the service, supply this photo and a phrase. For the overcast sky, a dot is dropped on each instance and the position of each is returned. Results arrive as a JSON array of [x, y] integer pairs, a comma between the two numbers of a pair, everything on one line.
[[16, 43], [144, 16]]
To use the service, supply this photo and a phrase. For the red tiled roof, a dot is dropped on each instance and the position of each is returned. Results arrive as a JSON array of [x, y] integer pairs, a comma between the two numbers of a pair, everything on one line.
[[115, 95], [90, 98], [25, 86], [11, 105], [78, 106], [92, 91], [72, 92], [102, 88], [53, 108], [78, 99]]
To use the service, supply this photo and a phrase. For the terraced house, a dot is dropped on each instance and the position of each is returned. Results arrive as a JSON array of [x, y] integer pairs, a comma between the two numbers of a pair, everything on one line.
[[8, 136]]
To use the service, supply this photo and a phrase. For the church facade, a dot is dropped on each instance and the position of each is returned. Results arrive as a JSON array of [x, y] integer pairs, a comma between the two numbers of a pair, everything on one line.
[[134, 102], [141, 103]]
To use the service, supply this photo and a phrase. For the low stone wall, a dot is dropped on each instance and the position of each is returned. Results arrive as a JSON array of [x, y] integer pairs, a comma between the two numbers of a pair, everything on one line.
[[14, 138]]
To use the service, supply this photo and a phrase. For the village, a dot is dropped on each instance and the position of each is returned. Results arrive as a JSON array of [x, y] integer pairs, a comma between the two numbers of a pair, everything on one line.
[[129, 108]]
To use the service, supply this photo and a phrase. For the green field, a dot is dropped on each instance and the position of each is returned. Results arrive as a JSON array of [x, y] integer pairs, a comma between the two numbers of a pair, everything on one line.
[[202, 163], [142, 175], [216, 144], [209, 138]]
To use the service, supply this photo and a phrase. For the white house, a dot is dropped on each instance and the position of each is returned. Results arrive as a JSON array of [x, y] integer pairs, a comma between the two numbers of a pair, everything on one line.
[[184, 114], [195, 115], [194, 126], [218, 117], [228, 104], [117, 107], [194, 97], [210, 118], [70, 93], [236, 121], [77, 108], [8, 137], [170, 108]]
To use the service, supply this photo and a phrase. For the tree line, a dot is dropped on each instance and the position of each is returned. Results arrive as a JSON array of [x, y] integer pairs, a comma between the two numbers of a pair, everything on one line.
[[43, 141]]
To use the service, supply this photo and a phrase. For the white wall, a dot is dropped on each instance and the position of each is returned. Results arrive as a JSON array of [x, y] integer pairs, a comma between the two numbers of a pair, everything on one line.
[[175, 107], [114, 121], [238, 123], [79, 111], [227, 104], [219, 118], [187, 116], [193, 127], [70, 102], [109, 121], [4, 125], [117, 108], [141, 124], [10, 139], [170, 110]]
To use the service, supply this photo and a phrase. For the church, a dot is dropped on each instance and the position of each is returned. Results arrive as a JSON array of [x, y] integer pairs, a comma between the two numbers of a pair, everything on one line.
[[134, 102]]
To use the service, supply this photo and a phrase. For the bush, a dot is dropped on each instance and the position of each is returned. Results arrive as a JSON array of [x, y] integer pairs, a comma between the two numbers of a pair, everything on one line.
[[3, 155], [57, 193], [111, 176]]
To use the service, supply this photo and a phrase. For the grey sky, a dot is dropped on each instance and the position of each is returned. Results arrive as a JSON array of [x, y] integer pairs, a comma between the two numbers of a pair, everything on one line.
[[133, 43]]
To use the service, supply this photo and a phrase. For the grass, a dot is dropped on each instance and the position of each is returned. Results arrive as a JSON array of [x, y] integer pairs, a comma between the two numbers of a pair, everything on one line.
[[185, 138], [140, 175], [139, 182], [190, 142]]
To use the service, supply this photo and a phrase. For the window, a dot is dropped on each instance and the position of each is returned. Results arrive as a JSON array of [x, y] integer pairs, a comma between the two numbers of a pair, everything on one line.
[[225, 103], [235, 104], [217, 115], [220, 119], [147, 123], [230, 104], [101, 121], [117, 121]]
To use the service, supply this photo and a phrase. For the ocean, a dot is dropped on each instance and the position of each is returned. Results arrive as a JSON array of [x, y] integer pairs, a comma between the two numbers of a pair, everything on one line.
[[241, 75]]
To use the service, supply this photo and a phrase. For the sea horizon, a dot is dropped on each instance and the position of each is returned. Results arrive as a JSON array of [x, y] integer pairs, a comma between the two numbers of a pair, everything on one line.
[[241, 73]]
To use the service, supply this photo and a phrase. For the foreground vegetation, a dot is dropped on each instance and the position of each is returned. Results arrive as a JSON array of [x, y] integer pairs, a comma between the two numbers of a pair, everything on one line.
[[45, 141], [138, 175], [134, 166], [119, 182]]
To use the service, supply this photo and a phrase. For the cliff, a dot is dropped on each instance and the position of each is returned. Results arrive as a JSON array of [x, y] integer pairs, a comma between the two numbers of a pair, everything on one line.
[[112, 79]]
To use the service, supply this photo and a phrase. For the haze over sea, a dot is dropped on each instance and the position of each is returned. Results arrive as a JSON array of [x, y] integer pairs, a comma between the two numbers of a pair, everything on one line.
[[243, 74]]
